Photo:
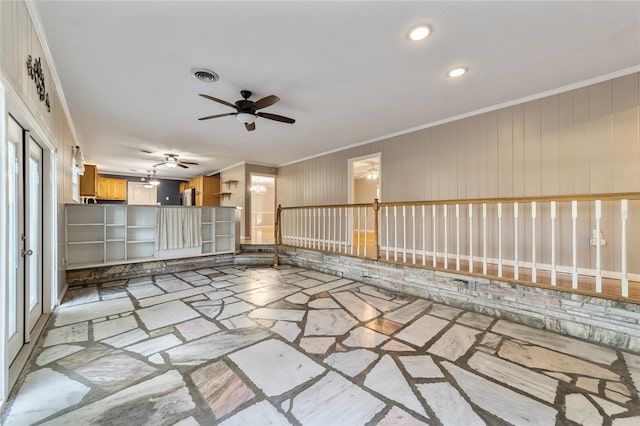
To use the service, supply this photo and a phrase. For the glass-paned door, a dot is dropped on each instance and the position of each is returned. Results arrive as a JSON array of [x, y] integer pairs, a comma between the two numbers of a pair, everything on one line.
[[24, 231], [33, 237]]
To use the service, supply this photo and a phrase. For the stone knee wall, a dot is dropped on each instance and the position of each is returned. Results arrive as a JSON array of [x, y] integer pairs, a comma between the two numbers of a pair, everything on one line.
[[599, 320]]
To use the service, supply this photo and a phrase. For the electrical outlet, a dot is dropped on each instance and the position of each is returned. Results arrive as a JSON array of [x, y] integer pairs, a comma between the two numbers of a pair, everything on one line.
[[472, 285]]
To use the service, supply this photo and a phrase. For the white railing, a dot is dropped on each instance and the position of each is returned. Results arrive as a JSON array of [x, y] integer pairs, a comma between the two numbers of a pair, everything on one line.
[[587, 243]]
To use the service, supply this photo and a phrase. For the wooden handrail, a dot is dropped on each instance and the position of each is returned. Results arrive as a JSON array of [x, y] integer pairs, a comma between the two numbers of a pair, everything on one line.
[[545, 198]]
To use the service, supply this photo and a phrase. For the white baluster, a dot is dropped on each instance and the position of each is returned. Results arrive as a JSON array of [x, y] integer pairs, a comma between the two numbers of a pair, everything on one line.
[[533, 241], [366, 229], [395, 233], [324, 227], [457, 237], [340, 239], [359, 230], [598, 214], [404, 234], [446, 238], [424, 237], [470, 237], [624, 215], [500, 239], [434, 260], [516, 268], [334, 229], [553, 242], [386, 210], [413, 218], [574, 219], [352, 211], [484, 238]]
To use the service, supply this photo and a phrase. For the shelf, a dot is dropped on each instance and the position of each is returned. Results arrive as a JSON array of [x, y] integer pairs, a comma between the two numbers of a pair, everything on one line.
[[140, 226], [115, 240], [224, 221], [85, 242], [223, 194], [230, 182], [85, 224], [207, 241], [223, 235], [114, 224], [141, 241]]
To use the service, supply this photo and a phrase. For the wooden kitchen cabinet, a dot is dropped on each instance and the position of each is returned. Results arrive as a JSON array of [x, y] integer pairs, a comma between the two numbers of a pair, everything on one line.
[[183, 187], [207, 189], [112, 188], [89, 181]]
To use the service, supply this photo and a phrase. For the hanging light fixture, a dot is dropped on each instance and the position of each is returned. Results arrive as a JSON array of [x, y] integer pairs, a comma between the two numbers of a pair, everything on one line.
[[148, 185], [258, 189], [154, 181], [372, 174]]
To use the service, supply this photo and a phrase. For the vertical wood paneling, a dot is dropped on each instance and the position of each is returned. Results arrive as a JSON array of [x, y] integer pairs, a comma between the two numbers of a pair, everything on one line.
[[626, 158], [492, 154], [483, 153], [549, 150], [472, 144], [582, 148], [600, 136], [518, 150], [532, 178], [505, 152], [566, 142]]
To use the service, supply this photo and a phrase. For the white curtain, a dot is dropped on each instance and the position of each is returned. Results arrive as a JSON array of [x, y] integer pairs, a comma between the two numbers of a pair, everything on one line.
[[178, 228]]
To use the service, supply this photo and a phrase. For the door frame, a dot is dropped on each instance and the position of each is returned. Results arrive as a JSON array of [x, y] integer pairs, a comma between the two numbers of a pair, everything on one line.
[[52, 259], [250, 203], [350, 162]]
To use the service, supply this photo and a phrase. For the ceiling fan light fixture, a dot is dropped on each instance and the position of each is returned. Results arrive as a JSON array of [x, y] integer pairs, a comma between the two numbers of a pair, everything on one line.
[[171, 165], [148, 186], [245, 117]]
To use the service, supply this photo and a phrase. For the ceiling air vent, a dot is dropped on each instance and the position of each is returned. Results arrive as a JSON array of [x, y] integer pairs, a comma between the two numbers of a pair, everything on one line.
[[205, 75]]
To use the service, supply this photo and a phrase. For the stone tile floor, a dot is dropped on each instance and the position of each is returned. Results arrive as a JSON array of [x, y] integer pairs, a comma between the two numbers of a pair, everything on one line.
[[256, 346]]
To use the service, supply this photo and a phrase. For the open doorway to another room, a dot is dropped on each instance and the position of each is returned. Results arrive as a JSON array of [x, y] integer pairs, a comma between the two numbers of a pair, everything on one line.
[[364, 188], [263, 204]]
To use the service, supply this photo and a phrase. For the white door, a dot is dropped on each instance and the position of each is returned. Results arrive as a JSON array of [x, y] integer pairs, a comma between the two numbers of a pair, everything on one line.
[[139, 195], [24, 232]]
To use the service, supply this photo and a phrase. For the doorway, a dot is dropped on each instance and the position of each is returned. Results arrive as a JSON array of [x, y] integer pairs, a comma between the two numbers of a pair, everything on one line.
[[364, 188], [24, 235], [263, 203]]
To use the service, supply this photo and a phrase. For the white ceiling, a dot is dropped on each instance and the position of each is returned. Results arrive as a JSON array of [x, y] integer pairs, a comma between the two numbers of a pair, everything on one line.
[[345, 71]]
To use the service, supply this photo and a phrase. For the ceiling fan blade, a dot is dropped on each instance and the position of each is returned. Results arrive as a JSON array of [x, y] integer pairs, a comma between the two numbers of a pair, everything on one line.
[[159, 164], [182, 165], [266, 101], [276, 117], [250, 126], [193, 163], [216, 116], [220, 101]]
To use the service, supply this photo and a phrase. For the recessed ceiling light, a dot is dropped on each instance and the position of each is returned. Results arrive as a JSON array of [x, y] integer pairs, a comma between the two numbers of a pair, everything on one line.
[[204, 74], [457, 72], [419, 32]]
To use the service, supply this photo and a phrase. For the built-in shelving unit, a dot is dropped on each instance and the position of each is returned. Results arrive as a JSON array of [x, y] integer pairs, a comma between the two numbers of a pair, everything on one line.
[[103, 234]]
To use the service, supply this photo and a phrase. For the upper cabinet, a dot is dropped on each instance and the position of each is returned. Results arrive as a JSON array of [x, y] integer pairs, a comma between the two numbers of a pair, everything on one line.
[[100, 187], [207, 190], [112, 189], [89, 181]]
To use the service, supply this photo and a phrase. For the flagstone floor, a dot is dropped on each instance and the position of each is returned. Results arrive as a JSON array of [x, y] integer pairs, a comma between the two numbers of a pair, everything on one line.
[[261, 346]]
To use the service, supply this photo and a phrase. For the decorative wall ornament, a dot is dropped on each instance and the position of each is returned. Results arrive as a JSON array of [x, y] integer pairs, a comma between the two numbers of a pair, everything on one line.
[[34, 70]]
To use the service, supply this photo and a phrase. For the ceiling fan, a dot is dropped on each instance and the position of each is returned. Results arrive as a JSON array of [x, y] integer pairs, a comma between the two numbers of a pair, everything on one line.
[[246, 110], [171, 161]]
